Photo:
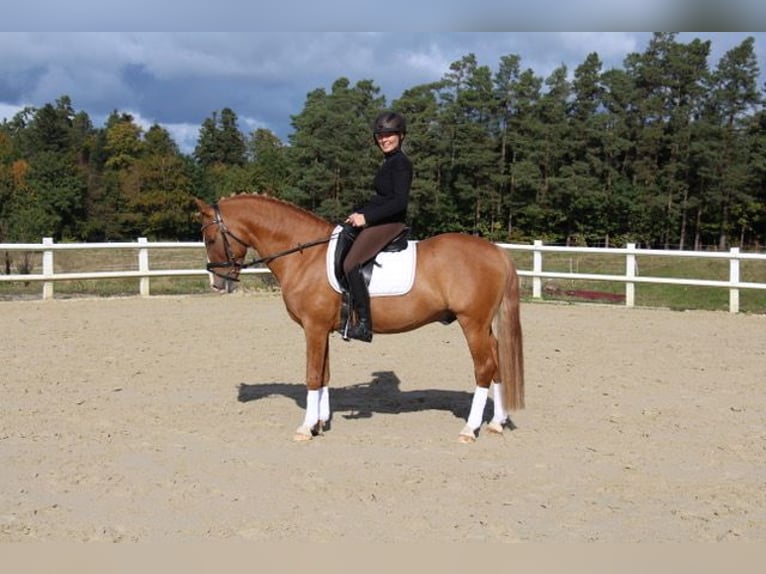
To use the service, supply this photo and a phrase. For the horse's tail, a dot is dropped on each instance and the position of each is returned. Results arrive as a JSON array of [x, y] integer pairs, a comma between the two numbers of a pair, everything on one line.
[[510, 343]]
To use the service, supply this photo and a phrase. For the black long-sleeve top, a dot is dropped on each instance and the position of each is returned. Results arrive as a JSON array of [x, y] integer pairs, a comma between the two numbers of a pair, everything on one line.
[[392, 191]]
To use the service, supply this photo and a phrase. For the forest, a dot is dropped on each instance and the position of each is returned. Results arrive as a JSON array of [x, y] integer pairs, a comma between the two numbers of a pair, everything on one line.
[[668, 151]]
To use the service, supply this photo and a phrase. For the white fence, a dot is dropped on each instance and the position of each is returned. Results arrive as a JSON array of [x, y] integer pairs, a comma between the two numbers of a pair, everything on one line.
[[630, 278]]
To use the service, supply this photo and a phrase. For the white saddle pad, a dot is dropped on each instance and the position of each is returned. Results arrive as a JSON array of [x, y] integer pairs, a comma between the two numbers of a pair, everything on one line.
[[392, 274]]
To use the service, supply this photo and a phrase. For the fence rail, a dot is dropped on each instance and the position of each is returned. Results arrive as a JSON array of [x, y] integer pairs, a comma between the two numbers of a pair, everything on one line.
[[630, 278]]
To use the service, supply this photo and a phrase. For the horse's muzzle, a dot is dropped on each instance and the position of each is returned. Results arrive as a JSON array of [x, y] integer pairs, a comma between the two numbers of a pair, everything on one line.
[[224, 282]]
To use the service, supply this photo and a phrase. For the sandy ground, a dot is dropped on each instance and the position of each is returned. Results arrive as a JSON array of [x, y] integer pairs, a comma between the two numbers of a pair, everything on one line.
[[171, 419]]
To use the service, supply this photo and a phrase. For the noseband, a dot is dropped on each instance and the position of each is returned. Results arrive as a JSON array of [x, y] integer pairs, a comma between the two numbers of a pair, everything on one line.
[[238, 264]]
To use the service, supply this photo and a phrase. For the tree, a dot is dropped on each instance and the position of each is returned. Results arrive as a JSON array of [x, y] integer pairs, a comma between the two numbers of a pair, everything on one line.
[[157, 190], [331, 150], [431, 208], [12, 176], [588, 181], [221, 152], [268, 162], [734, 99], [220, 141], [755, 221], [507, 97], [123, 141], [551, 150], [468, 114], [663, 151], [524, 172], [51, 201]]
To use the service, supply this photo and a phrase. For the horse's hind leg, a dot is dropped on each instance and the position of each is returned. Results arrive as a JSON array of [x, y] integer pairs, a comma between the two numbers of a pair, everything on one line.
[[475, 416], [483, 348], [479, 402], [499, 416]]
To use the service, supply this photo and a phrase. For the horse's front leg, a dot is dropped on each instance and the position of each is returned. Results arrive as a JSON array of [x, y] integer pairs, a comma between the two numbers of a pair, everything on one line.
[[317, 413]]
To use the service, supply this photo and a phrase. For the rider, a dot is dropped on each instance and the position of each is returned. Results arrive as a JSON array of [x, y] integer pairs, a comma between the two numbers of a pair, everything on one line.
[[380, 220]]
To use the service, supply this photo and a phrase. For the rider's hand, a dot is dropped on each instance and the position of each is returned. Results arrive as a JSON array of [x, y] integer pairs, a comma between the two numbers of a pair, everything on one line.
[[356, 219]]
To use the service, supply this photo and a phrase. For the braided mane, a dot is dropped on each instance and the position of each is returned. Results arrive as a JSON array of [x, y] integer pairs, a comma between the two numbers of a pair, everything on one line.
[[285, 218], [275, 200]]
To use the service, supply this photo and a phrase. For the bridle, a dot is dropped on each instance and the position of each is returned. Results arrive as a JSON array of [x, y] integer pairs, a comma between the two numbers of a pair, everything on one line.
[[238, 263], [231, 261]]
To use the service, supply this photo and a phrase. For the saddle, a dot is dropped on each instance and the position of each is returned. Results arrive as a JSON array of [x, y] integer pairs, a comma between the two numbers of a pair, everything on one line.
[[347, 236], [390, 273]]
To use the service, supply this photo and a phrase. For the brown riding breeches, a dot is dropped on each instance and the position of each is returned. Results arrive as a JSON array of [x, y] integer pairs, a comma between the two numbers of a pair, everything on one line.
[[369, 242]]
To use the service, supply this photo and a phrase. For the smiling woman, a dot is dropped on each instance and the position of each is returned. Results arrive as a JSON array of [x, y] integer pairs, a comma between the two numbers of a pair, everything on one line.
[[376, 223]]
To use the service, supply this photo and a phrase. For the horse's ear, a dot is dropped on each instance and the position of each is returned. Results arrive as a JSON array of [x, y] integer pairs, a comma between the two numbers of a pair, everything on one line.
[[204, 209]]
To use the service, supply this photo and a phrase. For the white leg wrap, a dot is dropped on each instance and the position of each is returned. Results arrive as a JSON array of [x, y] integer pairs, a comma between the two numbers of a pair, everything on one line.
[[500, 415], [477, 407], [312, 409], [324, 404]]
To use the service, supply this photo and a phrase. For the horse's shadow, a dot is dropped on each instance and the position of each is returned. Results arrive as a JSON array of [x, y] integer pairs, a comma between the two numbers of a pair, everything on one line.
[[382, 395]]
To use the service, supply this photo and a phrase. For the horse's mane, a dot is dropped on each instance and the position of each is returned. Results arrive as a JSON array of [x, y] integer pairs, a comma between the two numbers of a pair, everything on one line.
[[297, 216], [299, 211]]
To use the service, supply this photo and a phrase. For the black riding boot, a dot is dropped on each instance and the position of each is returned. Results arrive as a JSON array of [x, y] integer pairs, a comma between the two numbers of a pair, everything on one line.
[[360, 300], [346, 238]]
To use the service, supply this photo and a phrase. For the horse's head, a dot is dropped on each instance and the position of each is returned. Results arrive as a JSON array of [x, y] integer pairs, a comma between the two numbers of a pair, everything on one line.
[[225, 251]]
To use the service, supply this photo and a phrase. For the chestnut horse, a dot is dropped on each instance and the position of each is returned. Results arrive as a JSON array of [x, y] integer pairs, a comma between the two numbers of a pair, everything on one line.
[[458, 277]]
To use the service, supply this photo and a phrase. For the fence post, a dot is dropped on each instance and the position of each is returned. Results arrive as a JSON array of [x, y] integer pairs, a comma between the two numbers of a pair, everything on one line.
[[48, 268], [734, 278], [537, 268], [143, 267], [630, 273]]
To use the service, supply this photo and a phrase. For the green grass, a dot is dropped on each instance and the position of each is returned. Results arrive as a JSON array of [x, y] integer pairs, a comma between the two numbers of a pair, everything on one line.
[[71, 261], [669, 296], [681, 297]]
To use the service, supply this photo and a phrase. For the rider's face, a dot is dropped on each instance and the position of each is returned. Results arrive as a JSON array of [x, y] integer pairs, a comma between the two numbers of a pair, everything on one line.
[[388, 142]]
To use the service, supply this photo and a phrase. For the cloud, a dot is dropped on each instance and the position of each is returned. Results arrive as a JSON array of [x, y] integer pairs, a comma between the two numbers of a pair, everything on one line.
[[185, 135], [607, 44], [179, 79], [8, 111]]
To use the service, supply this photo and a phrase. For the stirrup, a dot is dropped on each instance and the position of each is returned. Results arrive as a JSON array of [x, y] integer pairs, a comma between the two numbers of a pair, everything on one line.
[[359, 331]]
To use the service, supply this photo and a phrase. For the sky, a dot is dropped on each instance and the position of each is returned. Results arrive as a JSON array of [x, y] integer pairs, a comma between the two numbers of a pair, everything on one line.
[[178, 79]]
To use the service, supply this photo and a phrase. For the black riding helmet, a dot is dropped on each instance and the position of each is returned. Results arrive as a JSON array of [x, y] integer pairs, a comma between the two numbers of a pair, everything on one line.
[[389, 123]]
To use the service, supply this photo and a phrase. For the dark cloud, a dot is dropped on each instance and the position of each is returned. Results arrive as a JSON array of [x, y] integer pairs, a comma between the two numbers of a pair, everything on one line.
[[179, 79]]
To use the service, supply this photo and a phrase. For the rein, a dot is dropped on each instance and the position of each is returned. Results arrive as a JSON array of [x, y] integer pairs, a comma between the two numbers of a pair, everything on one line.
[[231, 261]]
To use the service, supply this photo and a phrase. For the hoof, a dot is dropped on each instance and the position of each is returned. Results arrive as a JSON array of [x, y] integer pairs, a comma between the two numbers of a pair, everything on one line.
[[495, 428], [302, 433], [467, 435]]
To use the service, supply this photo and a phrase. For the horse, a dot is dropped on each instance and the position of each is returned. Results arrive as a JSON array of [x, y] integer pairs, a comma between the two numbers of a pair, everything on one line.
[[459, 277]]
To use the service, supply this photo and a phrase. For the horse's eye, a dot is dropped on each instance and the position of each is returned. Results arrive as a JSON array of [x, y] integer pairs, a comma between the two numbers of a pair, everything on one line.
[[209, 241]]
